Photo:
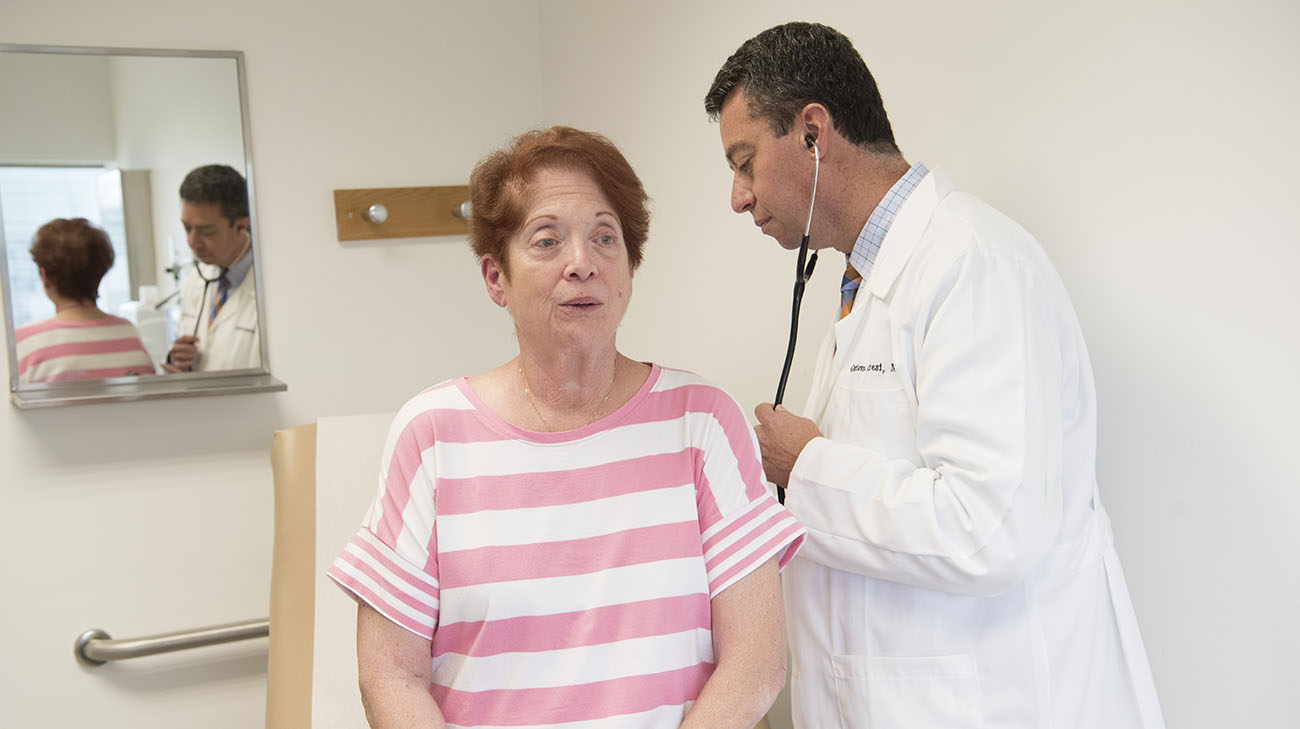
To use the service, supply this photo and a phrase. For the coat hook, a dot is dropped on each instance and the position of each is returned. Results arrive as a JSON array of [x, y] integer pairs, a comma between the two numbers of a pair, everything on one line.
[[462, 210], [377, 213]]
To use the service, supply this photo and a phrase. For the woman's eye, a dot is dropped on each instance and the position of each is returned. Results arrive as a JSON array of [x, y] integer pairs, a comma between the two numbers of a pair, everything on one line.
[[547, 243], [606, 239]]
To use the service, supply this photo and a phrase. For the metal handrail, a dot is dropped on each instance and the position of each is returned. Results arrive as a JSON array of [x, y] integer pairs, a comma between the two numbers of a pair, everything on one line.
[[96, 647]]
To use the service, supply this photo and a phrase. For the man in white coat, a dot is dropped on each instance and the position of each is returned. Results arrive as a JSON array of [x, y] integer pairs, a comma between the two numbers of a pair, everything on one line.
[[218, 325], [959, 569]]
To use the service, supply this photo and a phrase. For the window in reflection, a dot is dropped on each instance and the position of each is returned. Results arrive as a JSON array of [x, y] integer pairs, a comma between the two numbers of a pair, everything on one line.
[[31, 197]]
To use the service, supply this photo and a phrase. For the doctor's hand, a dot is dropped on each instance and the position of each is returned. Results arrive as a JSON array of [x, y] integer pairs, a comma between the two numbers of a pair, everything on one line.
[[781, 438], [183, 354]]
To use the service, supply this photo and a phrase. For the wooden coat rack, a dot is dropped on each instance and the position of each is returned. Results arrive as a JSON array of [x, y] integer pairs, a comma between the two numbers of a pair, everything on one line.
[[401, 212]]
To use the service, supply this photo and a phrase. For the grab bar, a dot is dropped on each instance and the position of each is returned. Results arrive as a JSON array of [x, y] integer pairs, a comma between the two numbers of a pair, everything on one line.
[[96, 647]]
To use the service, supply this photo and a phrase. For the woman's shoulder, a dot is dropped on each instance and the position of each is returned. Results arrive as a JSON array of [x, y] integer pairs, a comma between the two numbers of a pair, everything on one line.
[[669, 377], [69, 325], [692, 387], [112, 321], [54, 330], [446, 395], [27, 330], [420, 414]]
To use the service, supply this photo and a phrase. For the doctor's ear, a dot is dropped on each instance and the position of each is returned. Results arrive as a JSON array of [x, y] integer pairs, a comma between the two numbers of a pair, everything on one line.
[[814, 120]]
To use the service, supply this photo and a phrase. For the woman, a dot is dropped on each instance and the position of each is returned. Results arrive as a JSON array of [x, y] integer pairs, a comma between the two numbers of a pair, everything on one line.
[[576, 538], [80, 341]]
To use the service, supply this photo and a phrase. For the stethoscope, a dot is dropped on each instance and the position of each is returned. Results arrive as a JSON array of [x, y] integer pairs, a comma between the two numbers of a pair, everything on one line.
[[207, 282], [198, 269], [803, 270], [203, 300]]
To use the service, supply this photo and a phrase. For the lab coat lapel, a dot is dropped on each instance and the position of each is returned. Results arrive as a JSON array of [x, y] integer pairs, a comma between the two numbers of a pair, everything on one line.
[[904, 234]]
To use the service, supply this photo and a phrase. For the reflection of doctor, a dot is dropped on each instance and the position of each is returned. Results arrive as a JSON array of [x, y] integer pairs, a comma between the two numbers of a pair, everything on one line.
[[218, 321], [959, 569]]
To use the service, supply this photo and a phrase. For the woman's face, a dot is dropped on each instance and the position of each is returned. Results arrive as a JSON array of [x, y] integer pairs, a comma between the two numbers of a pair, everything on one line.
[[569, 279]]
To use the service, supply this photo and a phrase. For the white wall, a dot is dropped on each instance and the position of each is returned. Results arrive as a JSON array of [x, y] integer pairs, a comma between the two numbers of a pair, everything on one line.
[[40, 126], [1151, 147], [1148, 145]]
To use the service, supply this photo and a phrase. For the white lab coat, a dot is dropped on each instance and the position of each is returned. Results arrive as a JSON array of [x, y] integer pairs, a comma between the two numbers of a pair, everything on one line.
[[959, 570], [233, 342]]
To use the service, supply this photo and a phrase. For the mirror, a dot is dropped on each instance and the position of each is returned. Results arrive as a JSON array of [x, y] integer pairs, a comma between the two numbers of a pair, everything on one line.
[[109, 135]]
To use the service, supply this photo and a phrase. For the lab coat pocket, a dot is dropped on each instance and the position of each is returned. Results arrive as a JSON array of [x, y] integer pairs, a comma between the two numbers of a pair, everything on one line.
[[882, 420], [888, 692]]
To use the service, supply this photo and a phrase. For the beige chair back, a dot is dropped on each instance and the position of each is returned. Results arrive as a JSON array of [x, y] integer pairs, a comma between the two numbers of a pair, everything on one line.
[[289, 665]]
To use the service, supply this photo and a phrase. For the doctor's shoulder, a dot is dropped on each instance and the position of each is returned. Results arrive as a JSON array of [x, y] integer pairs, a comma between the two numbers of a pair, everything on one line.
[[967, 241]]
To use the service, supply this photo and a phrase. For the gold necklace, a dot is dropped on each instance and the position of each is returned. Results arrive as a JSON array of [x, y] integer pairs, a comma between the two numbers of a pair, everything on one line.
[[528, 393]]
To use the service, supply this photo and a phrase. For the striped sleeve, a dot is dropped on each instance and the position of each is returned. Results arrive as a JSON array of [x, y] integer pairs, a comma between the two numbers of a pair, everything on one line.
[[378, 576], [741, 524], [391, 563]]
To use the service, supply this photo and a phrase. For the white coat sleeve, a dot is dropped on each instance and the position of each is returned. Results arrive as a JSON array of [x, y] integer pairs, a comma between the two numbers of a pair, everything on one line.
[[984, 505]]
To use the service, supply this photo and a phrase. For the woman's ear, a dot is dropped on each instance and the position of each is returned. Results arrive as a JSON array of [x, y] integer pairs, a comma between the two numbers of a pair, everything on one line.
[[495, 279]]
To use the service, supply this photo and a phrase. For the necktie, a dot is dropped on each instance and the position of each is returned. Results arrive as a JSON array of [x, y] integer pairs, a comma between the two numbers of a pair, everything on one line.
[[849, 289], [219, 298]]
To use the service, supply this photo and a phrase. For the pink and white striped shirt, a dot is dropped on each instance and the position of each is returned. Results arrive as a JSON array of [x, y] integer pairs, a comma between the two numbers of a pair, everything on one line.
[[564, 579], [53, 351]]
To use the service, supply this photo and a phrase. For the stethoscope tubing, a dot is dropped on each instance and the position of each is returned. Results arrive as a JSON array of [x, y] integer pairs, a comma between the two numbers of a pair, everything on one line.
[[203, 300], [803, 270]]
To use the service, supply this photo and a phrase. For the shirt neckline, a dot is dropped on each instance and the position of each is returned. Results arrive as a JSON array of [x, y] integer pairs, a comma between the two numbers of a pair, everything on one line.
[[872, 236], [490, 416]]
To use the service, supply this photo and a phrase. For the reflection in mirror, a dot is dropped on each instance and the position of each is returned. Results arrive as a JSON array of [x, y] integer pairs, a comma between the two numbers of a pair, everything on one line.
[[80, 341], [109, 135]]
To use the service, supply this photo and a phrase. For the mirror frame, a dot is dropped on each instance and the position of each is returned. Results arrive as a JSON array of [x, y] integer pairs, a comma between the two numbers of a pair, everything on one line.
[[166, 385]]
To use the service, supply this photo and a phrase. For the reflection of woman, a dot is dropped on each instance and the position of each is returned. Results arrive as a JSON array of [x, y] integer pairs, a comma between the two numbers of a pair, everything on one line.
[[80, 341], [573, 537]]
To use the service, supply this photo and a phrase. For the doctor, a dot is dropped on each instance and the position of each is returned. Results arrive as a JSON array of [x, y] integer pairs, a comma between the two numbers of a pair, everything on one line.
[[959, 569], [218, 326]]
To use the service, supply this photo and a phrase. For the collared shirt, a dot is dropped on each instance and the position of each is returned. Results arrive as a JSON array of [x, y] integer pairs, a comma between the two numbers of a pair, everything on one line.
[[236, 273], [873, 233]]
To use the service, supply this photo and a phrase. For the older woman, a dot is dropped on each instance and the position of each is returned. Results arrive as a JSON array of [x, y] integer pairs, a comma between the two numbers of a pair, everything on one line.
[[573, 538], [80, 341]]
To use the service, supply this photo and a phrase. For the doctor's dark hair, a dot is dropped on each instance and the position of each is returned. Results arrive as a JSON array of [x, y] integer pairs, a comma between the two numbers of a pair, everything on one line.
[[500, 188], [785, 68], [74, 255], [221, 185]]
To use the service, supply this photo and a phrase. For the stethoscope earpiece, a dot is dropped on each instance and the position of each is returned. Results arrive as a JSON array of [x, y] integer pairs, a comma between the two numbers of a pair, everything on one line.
[[811, 143]]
